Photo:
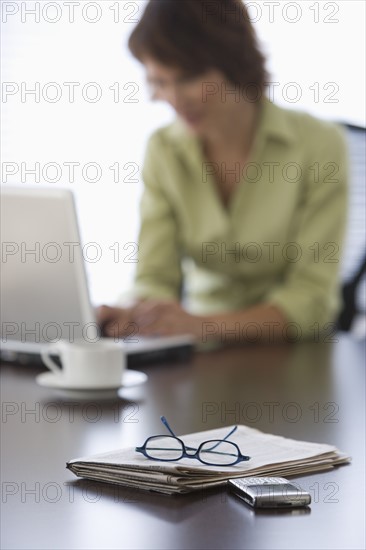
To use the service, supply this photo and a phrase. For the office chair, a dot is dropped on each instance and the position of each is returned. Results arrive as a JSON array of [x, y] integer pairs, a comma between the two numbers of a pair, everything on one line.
[[353, 273], [349, 295]]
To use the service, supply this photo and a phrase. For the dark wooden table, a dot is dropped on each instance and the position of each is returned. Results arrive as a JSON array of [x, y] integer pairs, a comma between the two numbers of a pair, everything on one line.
[[313, 392]]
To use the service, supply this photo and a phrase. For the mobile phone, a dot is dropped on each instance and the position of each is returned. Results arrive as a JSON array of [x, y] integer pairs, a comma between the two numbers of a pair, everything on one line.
[[269, 492]]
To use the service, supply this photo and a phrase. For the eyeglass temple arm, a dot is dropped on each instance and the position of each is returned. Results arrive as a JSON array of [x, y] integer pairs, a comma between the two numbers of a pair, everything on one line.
[[165, 422], [224, 438]]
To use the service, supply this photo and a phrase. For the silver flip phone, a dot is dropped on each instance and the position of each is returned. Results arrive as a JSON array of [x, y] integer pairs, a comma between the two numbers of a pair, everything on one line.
[[269, 492]]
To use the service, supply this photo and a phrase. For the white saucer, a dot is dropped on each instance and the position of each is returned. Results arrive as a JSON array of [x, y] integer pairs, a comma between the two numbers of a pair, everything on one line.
[[51, 380]]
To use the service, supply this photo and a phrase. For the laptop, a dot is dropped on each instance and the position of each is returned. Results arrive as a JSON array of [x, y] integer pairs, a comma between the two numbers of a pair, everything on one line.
[[44, 291]]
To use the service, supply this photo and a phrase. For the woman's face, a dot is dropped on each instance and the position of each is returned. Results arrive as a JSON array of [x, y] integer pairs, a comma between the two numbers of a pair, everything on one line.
[[198, 101]]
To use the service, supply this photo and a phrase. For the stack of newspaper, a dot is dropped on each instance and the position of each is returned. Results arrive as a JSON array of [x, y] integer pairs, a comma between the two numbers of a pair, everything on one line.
[[271, 455]]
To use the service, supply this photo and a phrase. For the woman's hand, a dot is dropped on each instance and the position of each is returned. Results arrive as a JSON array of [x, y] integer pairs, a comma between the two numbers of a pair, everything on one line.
[[114, 321], [148, 318], [165, 318]]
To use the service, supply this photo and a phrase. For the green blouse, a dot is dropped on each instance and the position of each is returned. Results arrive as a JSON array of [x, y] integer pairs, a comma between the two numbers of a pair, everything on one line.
[[277, 242]]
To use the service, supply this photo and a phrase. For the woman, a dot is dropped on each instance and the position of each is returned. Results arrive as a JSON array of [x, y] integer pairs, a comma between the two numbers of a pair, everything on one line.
[[243, 211]]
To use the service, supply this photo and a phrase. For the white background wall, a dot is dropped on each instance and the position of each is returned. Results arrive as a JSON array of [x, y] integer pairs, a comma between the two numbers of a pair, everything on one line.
[[319, 46]]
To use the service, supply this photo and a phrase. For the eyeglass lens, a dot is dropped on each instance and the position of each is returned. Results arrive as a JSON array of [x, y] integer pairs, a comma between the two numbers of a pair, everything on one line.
[[164, 448], [223, 454]]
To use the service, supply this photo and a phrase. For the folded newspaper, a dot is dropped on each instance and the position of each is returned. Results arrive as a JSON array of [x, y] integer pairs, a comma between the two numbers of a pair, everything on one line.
[[271, 455]]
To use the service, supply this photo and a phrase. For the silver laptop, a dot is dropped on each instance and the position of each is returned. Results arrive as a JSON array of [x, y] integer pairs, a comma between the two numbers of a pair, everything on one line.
[[44, 292]]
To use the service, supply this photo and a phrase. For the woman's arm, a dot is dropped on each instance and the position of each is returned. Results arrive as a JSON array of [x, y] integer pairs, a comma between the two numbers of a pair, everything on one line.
[[167, 318], [261, 323], [309, 294]]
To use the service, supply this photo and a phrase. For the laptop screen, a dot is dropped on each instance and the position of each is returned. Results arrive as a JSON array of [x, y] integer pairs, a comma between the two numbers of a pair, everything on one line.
[[44, 293]]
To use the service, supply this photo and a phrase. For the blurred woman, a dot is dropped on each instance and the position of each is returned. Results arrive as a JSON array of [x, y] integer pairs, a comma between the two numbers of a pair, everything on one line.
[[243, 211]]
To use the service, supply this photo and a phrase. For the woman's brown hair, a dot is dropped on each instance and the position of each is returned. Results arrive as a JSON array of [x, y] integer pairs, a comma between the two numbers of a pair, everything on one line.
[[198, 35]]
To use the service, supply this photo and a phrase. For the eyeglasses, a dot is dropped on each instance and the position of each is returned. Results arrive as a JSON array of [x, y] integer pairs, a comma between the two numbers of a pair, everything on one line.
[[169, 448]]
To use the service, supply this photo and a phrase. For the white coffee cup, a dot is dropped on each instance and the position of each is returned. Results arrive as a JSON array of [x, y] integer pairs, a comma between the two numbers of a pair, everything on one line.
[[87, 364]]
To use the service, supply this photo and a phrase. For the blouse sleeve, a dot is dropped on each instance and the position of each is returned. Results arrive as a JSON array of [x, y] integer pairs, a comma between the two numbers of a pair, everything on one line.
[[309, 294]]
